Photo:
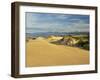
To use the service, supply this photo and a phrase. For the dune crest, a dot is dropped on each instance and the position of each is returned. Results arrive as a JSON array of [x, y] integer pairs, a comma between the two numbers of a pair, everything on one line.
[[40, 38]]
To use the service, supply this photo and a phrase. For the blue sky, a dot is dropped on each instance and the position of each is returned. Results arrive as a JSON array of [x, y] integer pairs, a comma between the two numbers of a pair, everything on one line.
[[50, 22]]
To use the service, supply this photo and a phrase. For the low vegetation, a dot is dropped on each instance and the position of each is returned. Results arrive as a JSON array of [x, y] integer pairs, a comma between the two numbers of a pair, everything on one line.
[[81, 41]]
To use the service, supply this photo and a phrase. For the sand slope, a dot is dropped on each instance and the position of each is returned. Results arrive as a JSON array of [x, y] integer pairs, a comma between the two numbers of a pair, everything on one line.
[[40, 52]]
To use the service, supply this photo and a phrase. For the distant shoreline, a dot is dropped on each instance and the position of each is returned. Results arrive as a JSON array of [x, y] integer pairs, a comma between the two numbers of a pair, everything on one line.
[[46, 34]]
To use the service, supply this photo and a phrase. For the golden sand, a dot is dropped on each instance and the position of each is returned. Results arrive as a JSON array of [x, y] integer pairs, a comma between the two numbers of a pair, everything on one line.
[[40, 52]]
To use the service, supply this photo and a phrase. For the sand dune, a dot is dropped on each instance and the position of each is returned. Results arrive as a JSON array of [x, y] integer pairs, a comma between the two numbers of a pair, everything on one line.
[[54, 38], [40, 52]]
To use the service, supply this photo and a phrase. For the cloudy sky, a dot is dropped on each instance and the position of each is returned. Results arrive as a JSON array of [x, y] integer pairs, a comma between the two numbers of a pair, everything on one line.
[[49, 22]]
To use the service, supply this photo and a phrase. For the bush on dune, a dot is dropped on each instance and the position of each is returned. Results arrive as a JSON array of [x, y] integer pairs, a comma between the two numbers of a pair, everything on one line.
[[76, 41], [83, 44]]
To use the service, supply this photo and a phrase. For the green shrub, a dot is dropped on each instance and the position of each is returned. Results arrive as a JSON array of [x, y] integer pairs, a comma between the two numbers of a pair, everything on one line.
[[86, 46]]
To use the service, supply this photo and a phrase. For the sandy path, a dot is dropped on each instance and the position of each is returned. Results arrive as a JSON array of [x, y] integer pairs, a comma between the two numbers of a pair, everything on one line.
[[42, 53]]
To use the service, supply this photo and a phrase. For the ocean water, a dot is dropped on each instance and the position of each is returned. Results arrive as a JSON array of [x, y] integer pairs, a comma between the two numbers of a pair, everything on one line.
[[46, 34]]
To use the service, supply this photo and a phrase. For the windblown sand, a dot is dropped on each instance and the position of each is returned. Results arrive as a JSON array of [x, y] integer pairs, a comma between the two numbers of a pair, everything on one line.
[[40, 52]]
